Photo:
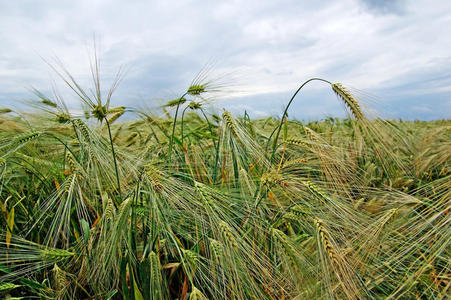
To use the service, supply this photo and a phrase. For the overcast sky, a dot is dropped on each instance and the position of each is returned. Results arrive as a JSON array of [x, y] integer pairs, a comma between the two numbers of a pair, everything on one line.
[[398, 51]]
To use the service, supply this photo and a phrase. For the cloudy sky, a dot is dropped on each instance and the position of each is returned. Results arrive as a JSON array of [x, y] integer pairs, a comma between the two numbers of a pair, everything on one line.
[[396, 53]]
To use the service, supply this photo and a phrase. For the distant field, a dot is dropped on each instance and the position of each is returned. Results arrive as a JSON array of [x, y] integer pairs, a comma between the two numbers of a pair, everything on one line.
[[215, 206]]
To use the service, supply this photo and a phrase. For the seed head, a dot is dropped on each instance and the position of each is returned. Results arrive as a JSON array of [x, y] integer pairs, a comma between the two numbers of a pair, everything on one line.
[[63, 118], [56, 254], [228, 120], [8, 286], [116, 109], [196, 89], [349, 100], [175, 102], [116, 116], [271, 178], [49, 102], [5, 110], [194, 105], [99, 112], [196, 294]]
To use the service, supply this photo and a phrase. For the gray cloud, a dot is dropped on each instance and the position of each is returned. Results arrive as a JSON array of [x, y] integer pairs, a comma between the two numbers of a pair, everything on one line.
[[386, 6], [397, 49]]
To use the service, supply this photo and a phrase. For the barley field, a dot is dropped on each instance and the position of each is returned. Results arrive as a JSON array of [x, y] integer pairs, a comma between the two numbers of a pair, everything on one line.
[[199, 203]]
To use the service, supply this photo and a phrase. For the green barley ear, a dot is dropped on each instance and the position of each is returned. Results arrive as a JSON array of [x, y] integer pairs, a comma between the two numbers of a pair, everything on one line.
[[295, 141], [155, 176], [155, 267], [203, 192], [110, 211], [83, 129], [71, 162], [131, 137], [228, 235], [270, 179], [344, 272], [286, 246], [316, 190], [196, 89], [99, 112], [196, 294], [191, 259], [5, 111], [70, 183], [290, 217], [311, 134], [216, 249], [26, 138], [194, 105], [325, 240], [294, 162], [63, 118], [116, 109], [8, 286], [55, 255], [216, 118], [300, 210], [135, 124], [228, 120], [175, 102], [124, 211], [156, 281], [60, 279], [349, 100], [48, 102], [141, 210], [116, 116]]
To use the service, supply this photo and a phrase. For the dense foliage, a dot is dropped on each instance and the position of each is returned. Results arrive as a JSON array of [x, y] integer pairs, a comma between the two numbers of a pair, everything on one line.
[[196, 205]]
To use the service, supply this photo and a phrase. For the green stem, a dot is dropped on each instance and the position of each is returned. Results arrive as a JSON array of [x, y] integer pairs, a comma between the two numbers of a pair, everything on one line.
[[285, 114], [114, 159], [183, 116], [278, 129], [216, 144], [171, 142]]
